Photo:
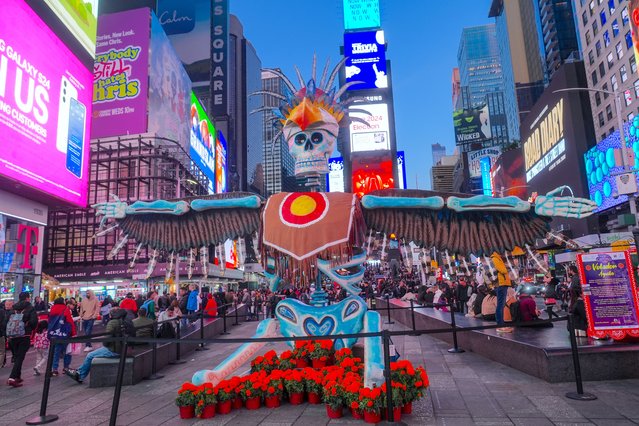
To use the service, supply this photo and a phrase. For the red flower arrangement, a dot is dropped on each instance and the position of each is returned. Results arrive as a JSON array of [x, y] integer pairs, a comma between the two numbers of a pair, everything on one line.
[[313, 384], [187, 395], [371, 400], [268, 362], [206, 401], [342, 354], [287, 361]]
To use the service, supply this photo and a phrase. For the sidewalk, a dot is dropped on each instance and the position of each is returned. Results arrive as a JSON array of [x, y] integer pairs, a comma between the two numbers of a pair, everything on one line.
[[466, 389]]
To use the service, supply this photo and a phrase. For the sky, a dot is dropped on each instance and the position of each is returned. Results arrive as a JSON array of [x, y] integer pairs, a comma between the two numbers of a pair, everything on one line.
[[422, 37]]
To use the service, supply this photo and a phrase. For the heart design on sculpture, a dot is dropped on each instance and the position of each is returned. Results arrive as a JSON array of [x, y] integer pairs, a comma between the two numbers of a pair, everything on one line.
[[323, 328]]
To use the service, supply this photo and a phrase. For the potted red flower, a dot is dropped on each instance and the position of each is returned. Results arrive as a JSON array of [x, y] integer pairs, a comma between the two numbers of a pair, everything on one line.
[[274, 389], [320, 352], [313, 385], [371, 402], [287, 361], [333, 393], [186, 400], [342, 354], [252, 389], [398, 394], [300, 353], [415, 381], [294, 385], [225, 393], [205, 407], [268, 362], [351, 384]]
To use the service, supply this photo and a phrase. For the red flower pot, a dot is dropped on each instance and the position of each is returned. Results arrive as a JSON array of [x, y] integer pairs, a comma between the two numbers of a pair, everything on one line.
[[224, 407], [318, 363], [272, 401], [372, 417], [187, 412], [334, 414], [314, 398], [407, 408], [357, 414], [301, 363], [237, 403], [253, 403], [296, 398], [397, 413], [208, 412]]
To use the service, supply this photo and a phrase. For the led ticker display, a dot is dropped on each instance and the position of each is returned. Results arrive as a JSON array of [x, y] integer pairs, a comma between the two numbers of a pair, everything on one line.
[[376, 135], [202, 140], [220, 163], [366, 60], [360, 14]]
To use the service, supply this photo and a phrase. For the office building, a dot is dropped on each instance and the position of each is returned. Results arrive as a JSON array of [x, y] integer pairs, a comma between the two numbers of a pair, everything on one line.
[[438, 151], [481, 73], [558, 34], [606, 41], [448, 175]]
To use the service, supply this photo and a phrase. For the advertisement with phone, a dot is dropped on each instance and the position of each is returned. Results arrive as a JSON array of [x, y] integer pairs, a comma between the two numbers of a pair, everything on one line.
[[77, 118]]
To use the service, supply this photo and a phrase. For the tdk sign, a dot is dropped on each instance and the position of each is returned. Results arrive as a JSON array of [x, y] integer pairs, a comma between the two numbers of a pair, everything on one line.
[[366, 59]]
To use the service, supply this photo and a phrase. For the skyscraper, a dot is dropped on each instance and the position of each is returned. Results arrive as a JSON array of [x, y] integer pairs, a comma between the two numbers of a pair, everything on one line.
[[438, 152], [482, 74], [558, 32]]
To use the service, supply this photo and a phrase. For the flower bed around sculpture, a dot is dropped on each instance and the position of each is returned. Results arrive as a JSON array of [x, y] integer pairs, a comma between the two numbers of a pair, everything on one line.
[[338, 384]]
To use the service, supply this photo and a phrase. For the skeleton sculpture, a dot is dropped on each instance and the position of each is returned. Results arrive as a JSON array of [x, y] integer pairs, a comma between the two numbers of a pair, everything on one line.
[[307, 236]]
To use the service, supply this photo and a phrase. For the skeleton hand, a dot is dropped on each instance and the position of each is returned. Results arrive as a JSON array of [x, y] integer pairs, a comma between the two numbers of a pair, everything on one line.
[[115, 209], [573, 207]]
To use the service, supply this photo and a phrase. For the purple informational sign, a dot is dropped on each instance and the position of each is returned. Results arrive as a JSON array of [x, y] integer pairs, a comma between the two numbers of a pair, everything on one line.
[[121, 73], [45, 107], [609, 292]]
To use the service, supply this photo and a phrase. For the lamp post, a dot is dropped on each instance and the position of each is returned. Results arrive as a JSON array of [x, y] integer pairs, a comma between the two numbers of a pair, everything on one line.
[[622, 135]]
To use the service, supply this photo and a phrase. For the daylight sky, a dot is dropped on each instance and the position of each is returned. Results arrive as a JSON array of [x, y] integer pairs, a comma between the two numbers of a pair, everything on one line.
[[422, 36]]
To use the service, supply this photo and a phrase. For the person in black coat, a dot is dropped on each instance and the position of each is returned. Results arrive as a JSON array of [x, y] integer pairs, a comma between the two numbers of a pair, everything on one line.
[[20, 344], [578, 310]]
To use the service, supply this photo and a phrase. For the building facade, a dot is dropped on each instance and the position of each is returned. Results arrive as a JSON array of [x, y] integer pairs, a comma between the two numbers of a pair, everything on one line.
[[448, 176], [558, 33], [606, 40], [438, 151]]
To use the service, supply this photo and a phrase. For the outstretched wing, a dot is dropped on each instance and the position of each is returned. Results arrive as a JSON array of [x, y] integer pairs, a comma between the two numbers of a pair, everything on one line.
[[458, 223]]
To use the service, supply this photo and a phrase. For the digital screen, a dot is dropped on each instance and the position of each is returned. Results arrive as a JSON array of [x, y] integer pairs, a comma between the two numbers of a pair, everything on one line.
[[401, 170], [360, 14], [220, 163], [202, 139], [121, 74], [545, 147], [508, 174], [371, 173], [44, 92], [472, 125], [486, 181], [375, 136], [335, 176], [80, 17], [475, 157], [366, 60]]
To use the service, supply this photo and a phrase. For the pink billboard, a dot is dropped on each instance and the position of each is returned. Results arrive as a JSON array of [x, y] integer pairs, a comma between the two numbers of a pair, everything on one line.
[[45, 107]]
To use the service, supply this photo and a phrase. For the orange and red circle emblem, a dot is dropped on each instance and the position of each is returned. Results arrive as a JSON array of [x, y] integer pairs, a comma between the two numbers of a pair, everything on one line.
[[301, 209]]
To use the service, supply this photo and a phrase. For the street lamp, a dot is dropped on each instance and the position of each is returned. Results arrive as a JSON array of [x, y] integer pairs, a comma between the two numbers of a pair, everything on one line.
[[622, 134]]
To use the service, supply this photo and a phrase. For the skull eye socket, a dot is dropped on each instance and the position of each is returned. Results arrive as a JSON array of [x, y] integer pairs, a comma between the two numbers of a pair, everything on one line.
[[317, 137], [300, 139]]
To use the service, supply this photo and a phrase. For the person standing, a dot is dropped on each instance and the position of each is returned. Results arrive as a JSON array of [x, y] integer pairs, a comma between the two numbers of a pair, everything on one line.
[[550, 295], [461, 295], [128, 304], [61, 324], [3, 338], [89, 310], [22, 321], [41, 345], [39, 304], [503, 283]]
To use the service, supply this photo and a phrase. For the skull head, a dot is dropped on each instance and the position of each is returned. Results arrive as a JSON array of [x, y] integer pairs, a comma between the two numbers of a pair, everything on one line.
[[311, 144]]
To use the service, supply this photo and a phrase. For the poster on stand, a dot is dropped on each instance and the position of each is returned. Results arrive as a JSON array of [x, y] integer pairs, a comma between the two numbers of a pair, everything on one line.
[[610, 294]]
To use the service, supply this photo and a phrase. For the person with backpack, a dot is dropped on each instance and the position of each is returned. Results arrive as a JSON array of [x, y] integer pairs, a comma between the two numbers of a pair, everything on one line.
[[149, 305], [61, 325], [22, 321], [116, 327], [41, 345]]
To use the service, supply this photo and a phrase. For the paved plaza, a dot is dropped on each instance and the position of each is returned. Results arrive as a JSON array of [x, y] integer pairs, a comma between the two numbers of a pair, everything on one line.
[[466, 389]]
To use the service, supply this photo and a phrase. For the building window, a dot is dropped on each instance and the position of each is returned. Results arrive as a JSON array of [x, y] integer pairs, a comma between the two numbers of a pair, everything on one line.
[[610, 60], [623, 73], [602, 16], [598, 48], [591, 58], [594, 77], [595, 28], [602, 70], [606, 37], [611, 6], [584, 18], [601, 121], [613, 82], [631, 116], [609, 112], [629, 40], [633, 64], [597, 98], [627, 97], [619, 49], [615, 28], [591, 6], [625, 18], [637, 88], [605, 88]]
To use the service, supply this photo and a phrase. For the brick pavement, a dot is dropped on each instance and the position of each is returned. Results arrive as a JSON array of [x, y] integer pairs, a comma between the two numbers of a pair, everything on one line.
[[466, 389]]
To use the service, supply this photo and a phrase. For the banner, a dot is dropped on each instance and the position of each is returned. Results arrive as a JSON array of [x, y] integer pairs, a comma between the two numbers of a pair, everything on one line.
[[610, 294], [220, 59], [121, 73], [203, 140], [471, 125], [475, 157], [365, 60]]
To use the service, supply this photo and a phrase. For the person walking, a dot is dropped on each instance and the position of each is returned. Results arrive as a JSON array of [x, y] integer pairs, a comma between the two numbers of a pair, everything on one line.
[[22, 321], [61, 325], [192, 301], [550, 295], [41, 345], [89, 311], [503, 283]]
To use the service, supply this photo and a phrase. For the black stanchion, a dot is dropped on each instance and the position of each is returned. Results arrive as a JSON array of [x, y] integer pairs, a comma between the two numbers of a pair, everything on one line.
[[580, 395], [177, 347], [412, 314], [154, 358], [388, 311], [455, 349], [44, 418], [118, 383], [390, 418], [236, 315], [224, 332], [201, 346]]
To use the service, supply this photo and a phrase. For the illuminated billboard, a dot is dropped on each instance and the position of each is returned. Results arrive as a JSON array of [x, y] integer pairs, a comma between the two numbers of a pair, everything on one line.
[[475, 158], [220, 163], [401, 170], [45, 107], [81, 19], [365, 60], [486, 181], [202, 140], [545, 147], [634, 25], [508, 174], [375, 136], [360, 14], [471, 125], [371, 172], [335, 176]]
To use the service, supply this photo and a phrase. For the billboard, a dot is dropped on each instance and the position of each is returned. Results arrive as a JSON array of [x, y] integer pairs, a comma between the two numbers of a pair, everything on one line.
[[335, 176], [220, 163], [121, 73], [80, 17], [508, 174], [360, 14], [220, 59], [169, 89], [188, 26], [202, 140], [372, 172], [365, 60], [375, 136], [634, 25], [45, 107], [486, 180], [401, 170], [475, 157], [545, 147], [471, 125]]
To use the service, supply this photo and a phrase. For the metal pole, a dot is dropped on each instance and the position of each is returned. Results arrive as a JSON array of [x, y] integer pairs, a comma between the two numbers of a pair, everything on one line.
[[118, 383], [388, 311], [154, 356], [412, 313], [579, 395], [455, 349], [201, 346], [177, 347], [387, 376], [224, 321], [43, 418], [236, 314]]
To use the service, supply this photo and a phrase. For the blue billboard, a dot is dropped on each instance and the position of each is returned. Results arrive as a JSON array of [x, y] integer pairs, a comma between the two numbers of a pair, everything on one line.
[[486, 181], [220, 163], [366, 60], [360, 14]]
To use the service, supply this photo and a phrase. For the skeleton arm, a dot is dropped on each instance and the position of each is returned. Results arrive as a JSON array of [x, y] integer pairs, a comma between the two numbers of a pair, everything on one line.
[[118, 209], [375, 202], [487, 203], [573, 207]]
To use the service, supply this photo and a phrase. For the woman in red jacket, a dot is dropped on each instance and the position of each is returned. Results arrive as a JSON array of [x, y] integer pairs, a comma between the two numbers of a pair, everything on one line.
[[60, 325]]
